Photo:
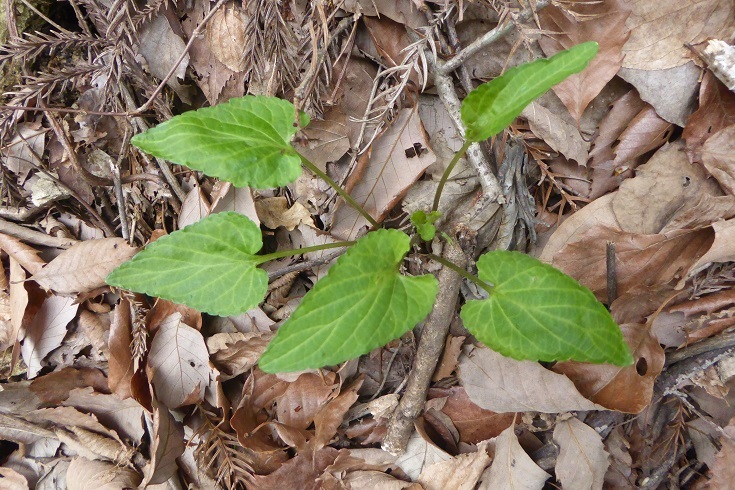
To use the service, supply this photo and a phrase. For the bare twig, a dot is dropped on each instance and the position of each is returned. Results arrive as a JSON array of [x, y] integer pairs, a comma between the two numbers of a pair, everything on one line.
[[612, 275], [490, 37], [431, 345], [33, 236], [119, 195], [306, 265]]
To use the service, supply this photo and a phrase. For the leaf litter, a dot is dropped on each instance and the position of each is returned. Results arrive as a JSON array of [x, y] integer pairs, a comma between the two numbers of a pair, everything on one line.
[[107, 386]]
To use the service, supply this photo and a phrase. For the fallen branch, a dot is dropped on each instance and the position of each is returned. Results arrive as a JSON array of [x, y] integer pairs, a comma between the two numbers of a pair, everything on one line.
[[430, 348], [32, 236]]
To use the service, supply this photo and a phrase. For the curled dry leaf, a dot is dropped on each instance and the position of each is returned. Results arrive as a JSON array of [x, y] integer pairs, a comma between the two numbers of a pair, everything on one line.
[[625, 389], [501, 384], [644, 133], [47, 331], [179, 363], [560, 135], [582, 461], [84, 474], [512, 467], [716, 112], [161, 48], [274, 212], [461, 472], [303, 399], [236, 353], [718, 157], [722, 249], [25, 255], [84, 266], [167, 445], [420, 453]]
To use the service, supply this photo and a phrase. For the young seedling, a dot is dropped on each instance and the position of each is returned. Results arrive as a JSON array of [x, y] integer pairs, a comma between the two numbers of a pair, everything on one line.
[[533, 310]]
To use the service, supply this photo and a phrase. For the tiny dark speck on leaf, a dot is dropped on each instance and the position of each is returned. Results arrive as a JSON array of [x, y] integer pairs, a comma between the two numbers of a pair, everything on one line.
[[191, 363], [641, 366]]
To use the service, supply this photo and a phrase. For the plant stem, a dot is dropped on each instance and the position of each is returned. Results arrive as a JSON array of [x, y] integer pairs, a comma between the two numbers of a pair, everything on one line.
[[487, 287], [445, 175], [300, 251], [339, 190]]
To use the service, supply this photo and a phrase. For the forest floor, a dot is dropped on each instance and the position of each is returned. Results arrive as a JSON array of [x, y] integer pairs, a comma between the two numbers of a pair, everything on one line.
[[622, 176]]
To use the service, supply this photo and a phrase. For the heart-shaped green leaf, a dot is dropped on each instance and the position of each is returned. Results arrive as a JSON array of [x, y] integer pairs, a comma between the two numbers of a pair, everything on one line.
[[539, 313], [210, 266], [492, 106], [245, 141], [363, 303]]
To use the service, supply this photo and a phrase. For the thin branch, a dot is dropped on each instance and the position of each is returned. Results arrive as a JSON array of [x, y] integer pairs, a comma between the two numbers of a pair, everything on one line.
[[431, 345], [489, 38], [33, 236], [303, 266]]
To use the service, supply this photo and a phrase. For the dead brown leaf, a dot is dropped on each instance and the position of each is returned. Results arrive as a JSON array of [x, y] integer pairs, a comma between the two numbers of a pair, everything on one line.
[[660, 32], [718, 157], [275, 211], [226, 37], [421, 452], [461, 472], [560, 135], [603, 22], [721, 250], [167, 445], [46, 331], [716, 112], [120, 363], [512, 467], [388, 174], [304, 398], [474, 424], [84, 266], [501, 384], [723, 471], [25, 255], [625, 389], [178, 363], [644, 133], [161, 48], [84, 474], [582, 461]]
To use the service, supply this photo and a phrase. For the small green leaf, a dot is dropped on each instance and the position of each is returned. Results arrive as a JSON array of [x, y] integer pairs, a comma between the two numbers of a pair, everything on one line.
[[424, 223], [363, 303], [539, 313], [492, 106], [245, 141], [210, 266]]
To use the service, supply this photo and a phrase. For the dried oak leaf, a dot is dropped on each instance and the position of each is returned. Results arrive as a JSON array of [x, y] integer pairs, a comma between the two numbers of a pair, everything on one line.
[[625, 389], [603, 22], [84, 266]]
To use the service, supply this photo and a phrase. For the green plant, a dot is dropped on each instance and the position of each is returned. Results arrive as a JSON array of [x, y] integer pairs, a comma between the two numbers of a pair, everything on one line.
[[533, 310]]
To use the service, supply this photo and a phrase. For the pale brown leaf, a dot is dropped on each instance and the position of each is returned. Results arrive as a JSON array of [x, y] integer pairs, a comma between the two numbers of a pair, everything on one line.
[[84, 266], [47, 331], [167, 445], [718, 157], [644, 133], [723, 471], [24, 151], [161, 48], [461, 472], [226, 37], [179, 363], [388, 173], [236, 353], [326, 140], [227, 197], [502, 384], [512, 467], [194, 207], [722, 249], [25, 255], [448, 362], [622, 388], [606, 26], [663, 186], [420, 453], [661, 31], [274, 212], [84, 474], [582, 461], [559, 134], [12, 480], [716, 112], [18, 298], [303, 399]]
